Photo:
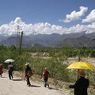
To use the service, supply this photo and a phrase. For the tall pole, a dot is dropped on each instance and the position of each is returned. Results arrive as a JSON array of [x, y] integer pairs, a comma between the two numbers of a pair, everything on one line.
[[18, 36], [20, 44], [79, 58]]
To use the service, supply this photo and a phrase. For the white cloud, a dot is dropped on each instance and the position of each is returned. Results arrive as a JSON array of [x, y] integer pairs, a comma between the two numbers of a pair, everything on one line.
[[90, 28], [77, 28], [90, 18], [75, 15], [38, 28], [41, 28]]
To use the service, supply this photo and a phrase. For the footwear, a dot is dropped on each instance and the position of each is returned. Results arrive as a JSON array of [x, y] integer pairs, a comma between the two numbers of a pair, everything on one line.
[[45, 85], [29, 85]]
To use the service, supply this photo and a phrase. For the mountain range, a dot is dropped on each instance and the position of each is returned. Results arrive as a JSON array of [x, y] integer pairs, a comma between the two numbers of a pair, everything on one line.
[[76, 40]]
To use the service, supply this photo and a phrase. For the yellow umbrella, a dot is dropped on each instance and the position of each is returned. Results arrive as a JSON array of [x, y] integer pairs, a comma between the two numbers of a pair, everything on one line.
[[81, 65]]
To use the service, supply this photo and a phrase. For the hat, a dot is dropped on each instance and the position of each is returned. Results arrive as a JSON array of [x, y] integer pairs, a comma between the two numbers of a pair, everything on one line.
[[27, 63]]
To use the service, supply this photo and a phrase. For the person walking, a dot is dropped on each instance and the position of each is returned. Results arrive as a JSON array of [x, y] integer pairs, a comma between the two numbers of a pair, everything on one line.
[[10, 70], [28, 73], [1, 69], [81, 85], [45, 77]]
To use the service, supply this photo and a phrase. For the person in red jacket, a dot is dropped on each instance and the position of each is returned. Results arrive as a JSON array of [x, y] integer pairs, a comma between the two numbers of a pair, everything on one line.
[[1, 69], [45, 76]]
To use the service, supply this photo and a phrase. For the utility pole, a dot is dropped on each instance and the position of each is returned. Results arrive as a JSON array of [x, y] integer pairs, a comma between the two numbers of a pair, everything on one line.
[[20, 42]]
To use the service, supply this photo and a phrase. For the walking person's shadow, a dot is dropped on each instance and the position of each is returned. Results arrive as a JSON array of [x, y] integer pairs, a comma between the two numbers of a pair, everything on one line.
[[34, 86], [17, 79]]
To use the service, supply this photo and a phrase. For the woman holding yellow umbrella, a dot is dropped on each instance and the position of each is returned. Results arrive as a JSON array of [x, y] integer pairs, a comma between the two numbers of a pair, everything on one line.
[[81, 85]]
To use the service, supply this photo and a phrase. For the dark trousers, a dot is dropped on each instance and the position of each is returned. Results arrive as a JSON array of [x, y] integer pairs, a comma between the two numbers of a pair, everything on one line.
[[46, 82], [10, 74], [28, 80]]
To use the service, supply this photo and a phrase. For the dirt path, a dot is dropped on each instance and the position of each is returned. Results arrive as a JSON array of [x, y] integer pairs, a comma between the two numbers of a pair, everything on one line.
[[19, 87]]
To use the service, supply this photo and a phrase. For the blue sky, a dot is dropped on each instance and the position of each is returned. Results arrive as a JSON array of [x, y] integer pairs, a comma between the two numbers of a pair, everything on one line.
[[40, 10], [50, 11]]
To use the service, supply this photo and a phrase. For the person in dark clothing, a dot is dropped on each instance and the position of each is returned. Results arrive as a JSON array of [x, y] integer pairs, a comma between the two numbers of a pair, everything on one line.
[[1, 69], [28, 73], [81, 85], [10, 70], [45, 76]]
